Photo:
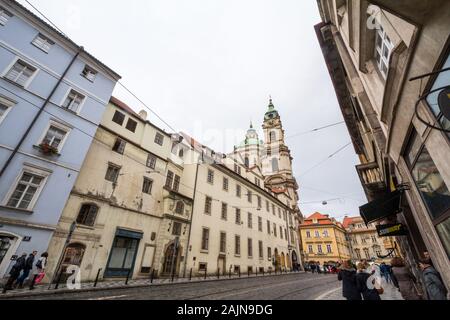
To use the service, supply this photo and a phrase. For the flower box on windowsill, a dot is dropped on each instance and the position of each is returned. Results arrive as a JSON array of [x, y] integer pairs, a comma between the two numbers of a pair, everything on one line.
[[47, 149]]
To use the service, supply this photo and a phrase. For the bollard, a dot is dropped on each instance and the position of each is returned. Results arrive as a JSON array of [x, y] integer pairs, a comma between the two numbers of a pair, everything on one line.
[[152, 275], [239, 272], [58, 280], [229, 273], [190, 275], [96, 278], [218, 273], [128, 277], [205, 272]]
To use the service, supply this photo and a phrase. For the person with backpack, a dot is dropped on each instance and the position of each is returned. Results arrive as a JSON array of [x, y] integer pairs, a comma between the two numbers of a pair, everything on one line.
[[15, 272], [361, 283], [39, 274], [26, 270], [433, 282]]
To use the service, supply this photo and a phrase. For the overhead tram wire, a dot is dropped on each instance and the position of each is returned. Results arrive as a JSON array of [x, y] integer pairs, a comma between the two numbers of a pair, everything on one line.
[[119, 82], [325, 160], [314, 130], [99, 141]]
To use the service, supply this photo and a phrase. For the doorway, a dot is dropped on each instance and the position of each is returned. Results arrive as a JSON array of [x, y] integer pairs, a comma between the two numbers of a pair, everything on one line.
[[122, 257]]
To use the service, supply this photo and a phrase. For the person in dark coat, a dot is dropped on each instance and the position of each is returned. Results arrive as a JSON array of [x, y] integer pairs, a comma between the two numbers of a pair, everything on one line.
[[404, 279], [435, 287], [26, 270], [15, 272], [361, 284], [347, 275]]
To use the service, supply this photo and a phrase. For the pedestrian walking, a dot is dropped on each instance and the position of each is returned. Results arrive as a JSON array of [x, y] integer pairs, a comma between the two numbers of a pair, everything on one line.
[[26, 270], [313, 267], [367, 293], [347, 275], [39, 273], [14, 273], [406, 281], [433, 282]]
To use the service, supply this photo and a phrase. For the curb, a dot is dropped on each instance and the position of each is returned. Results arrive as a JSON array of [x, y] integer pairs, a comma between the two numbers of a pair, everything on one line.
[[63, 291], [323, 295]]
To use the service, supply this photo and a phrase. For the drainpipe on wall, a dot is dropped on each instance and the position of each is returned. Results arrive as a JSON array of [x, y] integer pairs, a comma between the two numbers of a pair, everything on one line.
[[24, 136], [190, 222]]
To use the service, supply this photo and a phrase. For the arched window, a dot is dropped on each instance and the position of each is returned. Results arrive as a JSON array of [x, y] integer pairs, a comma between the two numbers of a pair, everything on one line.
[[247, 162], [87, 214], [272, 136], [179, 208], [274, 165]]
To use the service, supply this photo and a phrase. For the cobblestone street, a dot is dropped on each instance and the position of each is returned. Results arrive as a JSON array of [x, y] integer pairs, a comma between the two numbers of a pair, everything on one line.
[[296, 286]]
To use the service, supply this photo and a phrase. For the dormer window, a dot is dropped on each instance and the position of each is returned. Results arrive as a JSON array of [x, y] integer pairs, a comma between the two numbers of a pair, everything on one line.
[[43, 43], [89, 73], [383, 51]]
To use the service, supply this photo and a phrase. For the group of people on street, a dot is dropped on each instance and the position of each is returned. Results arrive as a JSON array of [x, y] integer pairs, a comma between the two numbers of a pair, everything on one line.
[[355, 284], [316, 267], [23, 266]]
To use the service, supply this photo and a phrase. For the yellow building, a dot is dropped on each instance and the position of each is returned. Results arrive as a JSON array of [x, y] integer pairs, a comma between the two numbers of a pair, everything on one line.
[[323, 239]]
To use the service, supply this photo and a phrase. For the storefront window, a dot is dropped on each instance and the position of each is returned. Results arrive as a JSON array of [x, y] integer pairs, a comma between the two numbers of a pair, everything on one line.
[[431, 186], [443, 230], [123, 254]]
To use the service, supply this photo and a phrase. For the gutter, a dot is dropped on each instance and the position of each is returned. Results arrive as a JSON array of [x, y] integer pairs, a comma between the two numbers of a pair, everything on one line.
[[26, 133]]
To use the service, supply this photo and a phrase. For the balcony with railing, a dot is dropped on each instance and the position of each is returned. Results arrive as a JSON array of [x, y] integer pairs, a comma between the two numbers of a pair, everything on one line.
[[371, 178]]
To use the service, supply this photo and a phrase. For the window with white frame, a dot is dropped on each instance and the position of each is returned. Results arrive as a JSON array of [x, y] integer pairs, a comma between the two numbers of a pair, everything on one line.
[[89, 73], [55, 136], [310, 248], [26, 190], [5, 15], [5, 107], [20, 73], [43, 42], [329, 248], [383, 51], [73, 101]]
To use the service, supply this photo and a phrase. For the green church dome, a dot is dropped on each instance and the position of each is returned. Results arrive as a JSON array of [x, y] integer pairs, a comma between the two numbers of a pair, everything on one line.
[[271, 113]]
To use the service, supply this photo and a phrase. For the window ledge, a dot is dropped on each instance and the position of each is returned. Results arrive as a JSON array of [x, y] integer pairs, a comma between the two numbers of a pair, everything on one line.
[[82, 226], [46, 155], [204, 251], [18, 209]]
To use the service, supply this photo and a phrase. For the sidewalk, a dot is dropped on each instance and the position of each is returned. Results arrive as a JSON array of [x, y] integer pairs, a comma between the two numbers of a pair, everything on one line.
[[390, 293], [120, 284]]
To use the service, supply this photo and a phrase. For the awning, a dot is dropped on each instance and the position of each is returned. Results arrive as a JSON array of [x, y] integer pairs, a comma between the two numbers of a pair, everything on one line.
[[385, 206]]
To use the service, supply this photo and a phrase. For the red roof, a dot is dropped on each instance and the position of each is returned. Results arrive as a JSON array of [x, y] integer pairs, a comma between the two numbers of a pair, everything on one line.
[[123, 106], [322, 219]]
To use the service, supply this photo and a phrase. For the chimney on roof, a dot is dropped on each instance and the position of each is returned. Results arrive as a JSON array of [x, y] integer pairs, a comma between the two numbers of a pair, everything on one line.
[[143, 115]]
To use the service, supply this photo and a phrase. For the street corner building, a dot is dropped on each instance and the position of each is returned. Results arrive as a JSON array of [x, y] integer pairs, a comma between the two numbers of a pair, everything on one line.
[[148, 203], [52, 97], [389, 64], [324, 240]]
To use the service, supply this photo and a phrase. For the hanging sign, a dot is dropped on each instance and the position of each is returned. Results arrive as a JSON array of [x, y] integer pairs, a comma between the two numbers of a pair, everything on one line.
[[444, 102], [389, 230]]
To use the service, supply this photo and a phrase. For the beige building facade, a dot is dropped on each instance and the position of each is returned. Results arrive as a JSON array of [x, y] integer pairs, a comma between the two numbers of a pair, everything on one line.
[[374, 51], [122, 211], [364, 241]]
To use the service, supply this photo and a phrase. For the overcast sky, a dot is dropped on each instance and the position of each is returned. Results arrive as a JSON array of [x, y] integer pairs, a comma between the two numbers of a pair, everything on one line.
[[208, 68]]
